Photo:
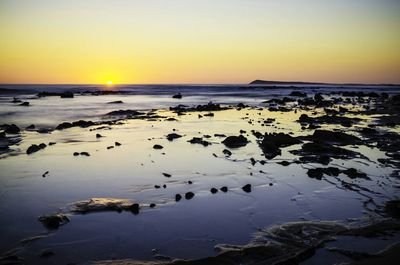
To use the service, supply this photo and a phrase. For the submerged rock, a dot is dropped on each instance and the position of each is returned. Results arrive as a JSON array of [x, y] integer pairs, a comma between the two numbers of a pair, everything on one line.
[[54, 221], [235, 141]]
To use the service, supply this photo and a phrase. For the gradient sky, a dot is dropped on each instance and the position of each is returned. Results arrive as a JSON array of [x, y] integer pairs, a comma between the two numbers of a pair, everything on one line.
[[203, 41]]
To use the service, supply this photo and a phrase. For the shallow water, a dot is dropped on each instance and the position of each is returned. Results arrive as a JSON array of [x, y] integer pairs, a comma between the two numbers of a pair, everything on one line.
[[186, 229]]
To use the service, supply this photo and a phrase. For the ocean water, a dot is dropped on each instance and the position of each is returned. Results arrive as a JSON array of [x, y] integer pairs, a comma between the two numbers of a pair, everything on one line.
[[47, 112], [186, 229]]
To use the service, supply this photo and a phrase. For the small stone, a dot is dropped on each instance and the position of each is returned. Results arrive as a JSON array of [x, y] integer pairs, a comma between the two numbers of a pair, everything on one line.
[[189, 195], [117, 144], [152, 205], [157, 146], [166, 175], [246, 188], [178, 197], [214, 190], [224, 189]]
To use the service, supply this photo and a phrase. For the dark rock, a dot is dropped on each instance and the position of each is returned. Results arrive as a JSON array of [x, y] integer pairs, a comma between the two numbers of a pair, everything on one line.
[[45, 174], [124, 113], [178, 197], [157, 186], [30, 127], [166, 175], [117, 144], [235, 141], [190, 182], [152, 205], [284, 163], [178, 96], [271, 143], [157, 146], [246, 188], [213, 190], [224, 189], [110, 147], [199, 140], [34, 148], [25, 104], [98, 135], [84, 154], [116, 102], [54, 221], [76, 154], [219, 135], [209, 114], [80, 123], [337, 138], [173, 136], [315, 173], [134, 208], [189, 195], [354, 173], [253, 161], [322, 149], [10, 128], [227, 152]]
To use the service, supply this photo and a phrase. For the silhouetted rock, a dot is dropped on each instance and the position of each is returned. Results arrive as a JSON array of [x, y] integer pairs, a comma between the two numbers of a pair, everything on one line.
[[30, 127], [84, 154], [235, 141], [117, 144], [34, 148], [199, 140], [25, 104], [224, 189], [80, 123], [98, 135], [272, 142], [213, 190], [166, 175], [178, 197], [189, 195], [53, 221], [10, 128], [177, 96], [173, 136], [246, 188], [157, 146], [227, 152], [116, 102]]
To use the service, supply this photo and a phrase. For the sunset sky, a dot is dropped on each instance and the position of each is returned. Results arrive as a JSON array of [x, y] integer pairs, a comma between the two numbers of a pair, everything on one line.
[[203, 41]]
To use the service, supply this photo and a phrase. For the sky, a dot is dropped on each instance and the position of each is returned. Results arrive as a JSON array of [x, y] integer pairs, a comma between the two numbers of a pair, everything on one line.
[[203, 41]]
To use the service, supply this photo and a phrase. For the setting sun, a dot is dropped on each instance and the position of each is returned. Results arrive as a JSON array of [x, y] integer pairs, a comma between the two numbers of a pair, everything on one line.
[[109, 83]]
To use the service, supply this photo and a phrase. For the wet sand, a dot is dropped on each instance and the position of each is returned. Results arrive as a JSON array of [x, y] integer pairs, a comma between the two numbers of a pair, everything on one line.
[[204, 184]]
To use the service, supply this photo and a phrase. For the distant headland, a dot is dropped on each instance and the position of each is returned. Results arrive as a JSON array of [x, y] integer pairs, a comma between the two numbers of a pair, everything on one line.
[[270, 82]]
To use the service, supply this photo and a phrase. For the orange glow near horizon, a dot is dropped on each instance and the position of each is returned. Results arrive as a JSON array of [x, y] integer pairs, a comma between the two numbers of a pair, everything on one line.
[[187, 41]]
